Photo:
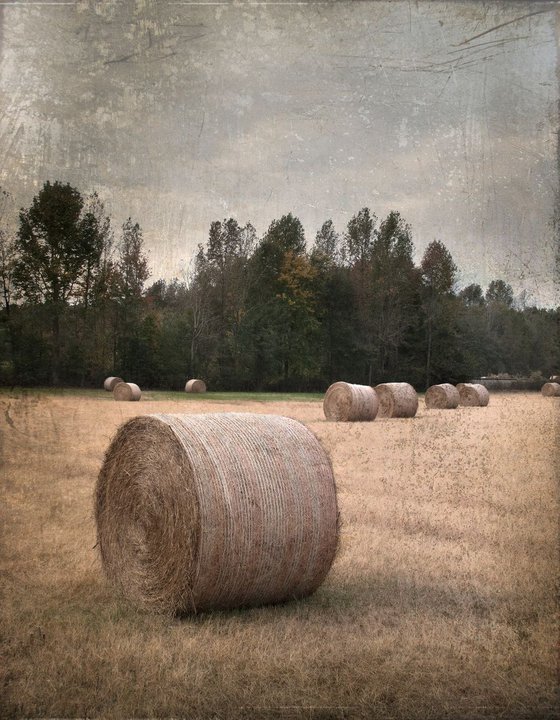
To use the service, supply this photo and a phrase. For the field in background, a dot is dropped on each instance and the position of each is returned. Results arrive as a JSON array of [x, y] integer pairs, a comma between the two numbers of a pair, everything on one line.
[[174, 395], [442, 602]]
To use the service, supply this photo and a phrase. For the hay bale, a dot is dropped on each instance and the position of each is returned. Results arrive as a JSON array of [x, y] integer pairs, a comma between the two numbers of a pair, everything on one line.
[[555, 378], [195, 386], [110, 383], [551, 389], [127, 391], [397, 399], [347, 402], [473, 395], [223, 510], [442, 397]]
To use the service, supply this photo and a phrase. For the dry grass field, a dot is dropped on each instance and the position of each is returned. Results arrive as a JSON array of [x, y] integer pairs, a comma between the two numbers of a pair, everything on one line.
[[442, 602]]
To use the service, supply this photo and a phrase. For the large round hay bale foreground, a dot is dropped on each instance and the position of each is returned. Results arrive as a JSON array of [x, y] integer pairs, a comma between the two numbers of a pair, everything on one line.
[[110, 383], [473, 395], [551, 389], [397, 400], [442, 397], [206, 511], [195, 386], [127, 391], [346, 402]]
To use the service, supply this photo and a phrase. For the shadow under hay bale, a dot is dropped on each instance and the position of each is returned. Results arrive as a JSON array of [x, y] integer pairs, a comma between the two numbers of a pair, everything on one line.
[[397, 400], [110, 383], [473, 395], [442, 397], [551, 389], [347, 402], [196, 512], [127, 391]]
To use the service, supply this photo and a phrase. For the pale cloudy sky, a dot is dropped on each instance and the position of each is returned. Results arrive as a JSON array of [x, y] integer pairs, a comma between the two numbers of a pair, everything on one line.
[[180, 113]]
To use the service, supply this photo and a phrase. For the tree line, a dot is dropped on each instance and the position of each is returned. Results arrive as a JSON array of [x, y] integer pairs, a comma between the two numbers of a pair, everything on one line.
[[268, 313]]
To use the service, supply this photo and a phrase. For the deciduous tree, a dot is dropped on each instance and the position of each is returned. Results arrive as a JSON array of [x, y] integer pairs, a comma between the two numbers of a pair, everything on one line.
[[56, 244]]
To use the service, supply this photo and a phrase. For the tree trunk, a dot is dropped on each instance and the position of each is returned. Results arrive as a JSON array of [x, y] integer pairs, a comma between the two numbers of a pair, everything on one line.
[[192, 355], [55, 368], [429, 354], [6, 293]]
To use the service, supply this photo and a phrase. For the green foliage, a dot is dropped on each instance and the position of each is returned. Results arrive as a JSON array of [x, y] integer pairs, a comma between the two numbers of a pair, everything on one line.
[[326, 250], [499, 292], [439, 272], [359, 238], [440, 309], [393, 302], [55, 244], [472, 295], [133, 264], [252, 314]]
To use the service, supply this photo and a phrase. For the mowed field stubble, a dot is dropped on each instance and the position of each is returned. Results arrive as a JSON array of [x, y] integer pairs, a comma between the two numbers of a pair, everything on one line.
[[442, 601]]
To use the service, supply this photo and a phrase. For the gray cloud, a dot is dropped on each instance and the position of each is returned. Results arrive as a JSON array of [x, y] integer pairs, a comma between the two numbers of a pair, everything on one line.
[[181, 114]]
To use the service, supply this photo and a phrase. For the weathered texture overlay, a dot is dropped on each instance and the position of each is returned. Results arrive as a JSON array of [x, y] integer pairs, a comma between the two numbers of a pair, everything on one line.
[[180, 113]]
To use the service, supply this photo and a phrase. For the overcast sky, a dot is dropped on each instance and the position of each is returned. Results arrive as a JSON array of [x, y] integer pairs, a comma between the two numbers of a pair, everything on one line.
[[180, 113]]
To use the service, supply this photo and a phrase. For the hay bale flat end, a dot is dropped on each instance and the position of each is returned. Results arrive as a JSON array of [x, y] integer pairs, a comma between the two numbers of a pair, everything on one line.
[[127, 391], [551, 389], [347, 402], [195, 386], [397, 400], [110, 382], [473, 395], [195, 512], [442, 397]]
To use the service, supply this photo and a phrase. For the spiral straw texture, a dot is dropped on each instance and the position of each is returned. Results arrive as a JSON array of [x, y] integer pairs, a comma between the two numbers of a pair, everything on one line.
[[397, 400], [127, 391], [195, 386], [551, 389], [442, 397], [473, 395], [110, 383], [347, 402], [215, 511]]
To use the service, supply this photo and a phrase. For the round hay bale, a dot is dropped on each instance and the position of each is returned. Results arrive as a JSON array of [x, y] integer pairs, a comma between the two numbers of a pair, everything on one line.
[[110, 383], [195, 386], [397, 399], [196, 512], [347, 402], [127, 391], [473, 395], [551, 389], [442, 397]]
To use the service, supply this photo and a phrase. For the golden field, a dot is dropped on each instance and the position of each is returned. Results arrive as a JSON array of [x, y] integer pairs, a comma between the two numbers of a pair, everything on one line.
[[442, 601]]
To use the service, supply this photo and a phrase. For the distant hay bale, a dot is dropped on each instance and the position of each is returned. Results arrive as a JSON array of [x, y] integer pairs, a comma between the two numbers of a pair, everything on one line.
[[397, 400], [195, 386], [222, 510], [127, 391], [346, 402], [551, 389], [442, 397], [473, 395], [555, 378], [110, 383]]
